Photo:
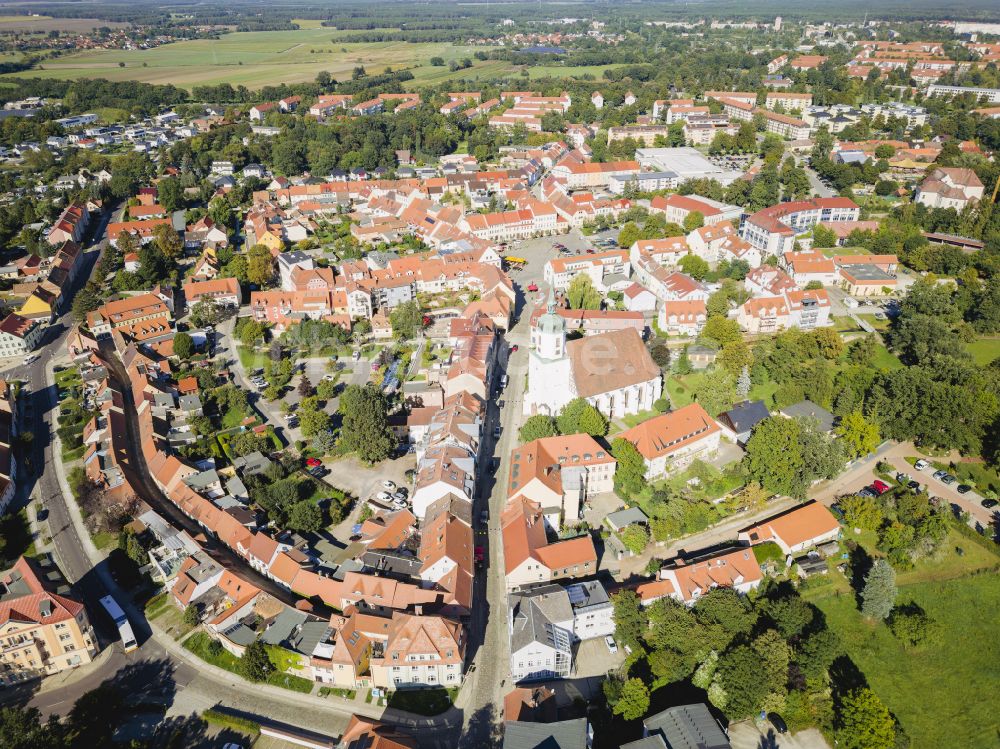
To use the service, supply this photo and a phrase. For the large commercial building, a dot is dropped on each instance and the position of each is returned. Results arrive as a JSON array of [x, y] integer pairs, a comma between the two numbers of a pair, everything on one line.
[[686, 163]]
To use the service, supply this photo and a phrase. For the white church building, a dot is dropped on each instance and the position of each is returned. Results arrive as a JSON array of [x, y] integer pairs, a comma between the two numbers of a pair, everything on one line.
[[612, 371]]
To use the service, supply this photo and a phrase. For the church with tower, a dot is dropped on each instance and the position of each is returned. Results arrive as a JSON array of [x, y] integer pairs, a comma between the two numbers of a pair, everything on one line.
[[612, 371]]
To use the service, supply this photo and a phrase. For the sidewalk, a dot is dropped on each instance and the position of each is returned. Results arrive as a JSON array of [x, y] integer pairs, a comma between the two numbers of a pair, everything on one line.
[[332, 703], [89, 548]]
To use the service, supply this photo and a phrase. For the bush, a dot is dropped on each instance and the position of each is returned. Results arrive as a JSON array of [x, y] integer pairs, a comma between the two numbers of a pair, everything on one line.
[[911, 625], [242, 725]]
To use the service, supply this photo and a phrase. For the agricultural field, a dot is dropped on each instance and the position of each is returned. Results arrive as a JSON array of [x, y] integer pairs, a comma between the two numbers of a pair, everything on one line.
[[42, 24], [265, 58]]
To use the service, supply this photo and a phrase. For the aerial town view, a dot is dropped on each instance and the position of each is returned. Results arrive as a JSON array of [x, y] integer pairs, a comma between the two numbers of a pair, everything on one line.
[[515, 375]]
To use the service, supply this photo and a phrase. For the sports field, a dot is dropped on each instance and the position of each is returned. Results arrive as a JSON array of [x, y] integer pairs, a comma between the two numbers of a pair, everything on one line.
[[263, 58]]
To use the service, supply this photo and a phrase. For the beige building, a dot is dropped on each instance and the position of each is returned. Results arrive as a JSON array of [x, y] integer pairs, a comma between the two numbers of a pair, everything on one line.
[[41, 633], [671, 441], [420, 651]]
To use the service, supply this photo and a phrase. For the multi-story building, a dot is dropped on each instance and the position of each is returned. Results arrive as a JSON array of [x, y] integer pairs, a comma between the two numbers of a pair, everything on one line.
[[688, 580], [788, 100], [772, 230], [670, 441], [420, 651], [41, 632], [602, 267], [949, 187], [19, 336]]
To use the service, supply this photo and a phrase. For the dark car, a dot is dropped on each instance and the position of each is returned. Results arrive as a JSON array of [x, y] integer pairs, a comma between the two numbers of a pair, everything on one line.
[[777, 722], [868, 492], [989, 504], [948, 479], [914, 486], [964, 489]]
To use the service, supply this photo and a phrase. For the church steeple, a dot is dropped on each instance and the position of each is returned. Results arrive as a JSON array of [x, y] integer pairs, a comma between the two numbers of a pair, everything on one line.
[[551, 331]]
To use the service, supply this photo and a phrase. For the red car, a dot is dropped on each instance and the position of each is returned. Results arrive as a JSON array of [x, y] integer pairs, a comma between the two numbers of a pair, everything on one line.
[[880, 487], [313, 462], [532, 287]]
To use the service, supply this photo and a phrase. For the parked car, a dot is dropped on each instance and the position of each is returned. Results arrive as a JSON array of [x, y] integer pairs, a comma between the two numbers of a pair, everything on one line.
[[610, 642], [513, 349], [777, 722], [964, 489], [484, 517], [921, 464], [389, 484], [989, 504], [939, 475], [31, 358], [902, 478], [867, 492], [384, 496], [914, 486], [496, 432], [532, 287], [948, 479], [313, 462], [880, 487]]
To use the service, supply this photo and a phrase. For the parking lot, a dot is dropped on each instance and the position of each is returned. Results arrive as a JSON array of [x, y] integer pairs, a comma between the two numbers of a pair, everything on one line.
[[747, 735], [594, 659]]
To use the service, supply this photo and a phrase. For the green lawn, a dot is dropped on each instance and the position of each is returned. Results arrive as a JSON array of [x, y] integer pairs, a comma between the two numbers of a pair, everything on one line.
[[879, 325], [251, 359], [433, 701], [936, 691], [984, 350], [162, 610], [199, 644], [884, 359]]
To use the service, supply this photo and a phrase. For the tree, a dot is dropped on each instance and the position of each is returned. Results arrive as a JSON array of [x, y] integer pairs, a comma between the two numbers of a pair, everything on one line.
[[183, 345], [260, 265], [739, 675], [630, 621], [251, 332], [861, 512], [864, 722], [630, 475], [255, 664], [168, 240], [773, 456], [824, 236], [722, 330], [206, 312], [660, 355], [694, 266], [633, 701], [305, 516], [716, 391], [694, 220], [191, 616], [170, 194], [313, 421], [735, 357], [635, 538], [911, 625], [306, 388], [324, 442], [582, 294], [437, 62], [579, 416], [537, 427], [87, 300], [406, 321], [859, 434], [879, 592], [365, 422], [743, 383]]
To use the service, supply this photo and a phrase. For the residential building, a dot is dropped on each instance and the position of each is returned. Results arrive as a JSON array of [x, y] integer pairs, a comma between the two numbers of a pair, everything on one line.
[[42, 632], [787, 100], [682, 727], [604, 268], [949, 187], [772, 230], [670, 441], [738, 422], [223, 291], [19, 336], [560, 473], [530, 558], [794, 530], [688, 580], [682, 317], [420, 651]]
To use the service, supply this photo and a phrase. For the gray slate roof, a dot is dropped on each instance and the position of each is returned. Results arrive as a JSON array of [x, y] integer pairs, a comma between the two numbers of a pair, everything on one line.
[[808, 411], [687, 727], [565, 734]]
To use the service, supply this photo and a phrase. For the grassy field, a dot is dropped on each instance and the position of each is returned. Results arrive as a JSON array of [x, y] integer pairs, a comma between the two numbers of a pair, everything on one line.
[[569, 71], [23, 24], [262, 58], [936, 691], [984, 350]]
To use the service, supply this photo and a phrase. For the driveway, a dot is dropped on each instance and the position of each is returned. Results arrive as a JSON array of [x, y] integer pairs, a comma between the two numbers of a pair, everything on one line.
[[746, 735], [594, 659]]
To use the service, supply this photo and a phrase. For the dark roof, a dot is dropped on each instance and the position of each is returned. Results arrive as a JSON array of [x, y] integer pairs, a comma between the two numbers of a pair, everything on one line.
[[744, 416], [688, 727], [808, 411], [566, 734]]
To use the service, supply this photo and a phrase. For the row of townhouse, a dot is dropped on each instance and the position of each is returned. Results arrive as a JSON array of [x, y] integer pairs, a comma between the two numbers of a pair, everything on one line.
[[71, 224], [605, 269], [46, 292], [580, 208], [9, 430], [416, 647]]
